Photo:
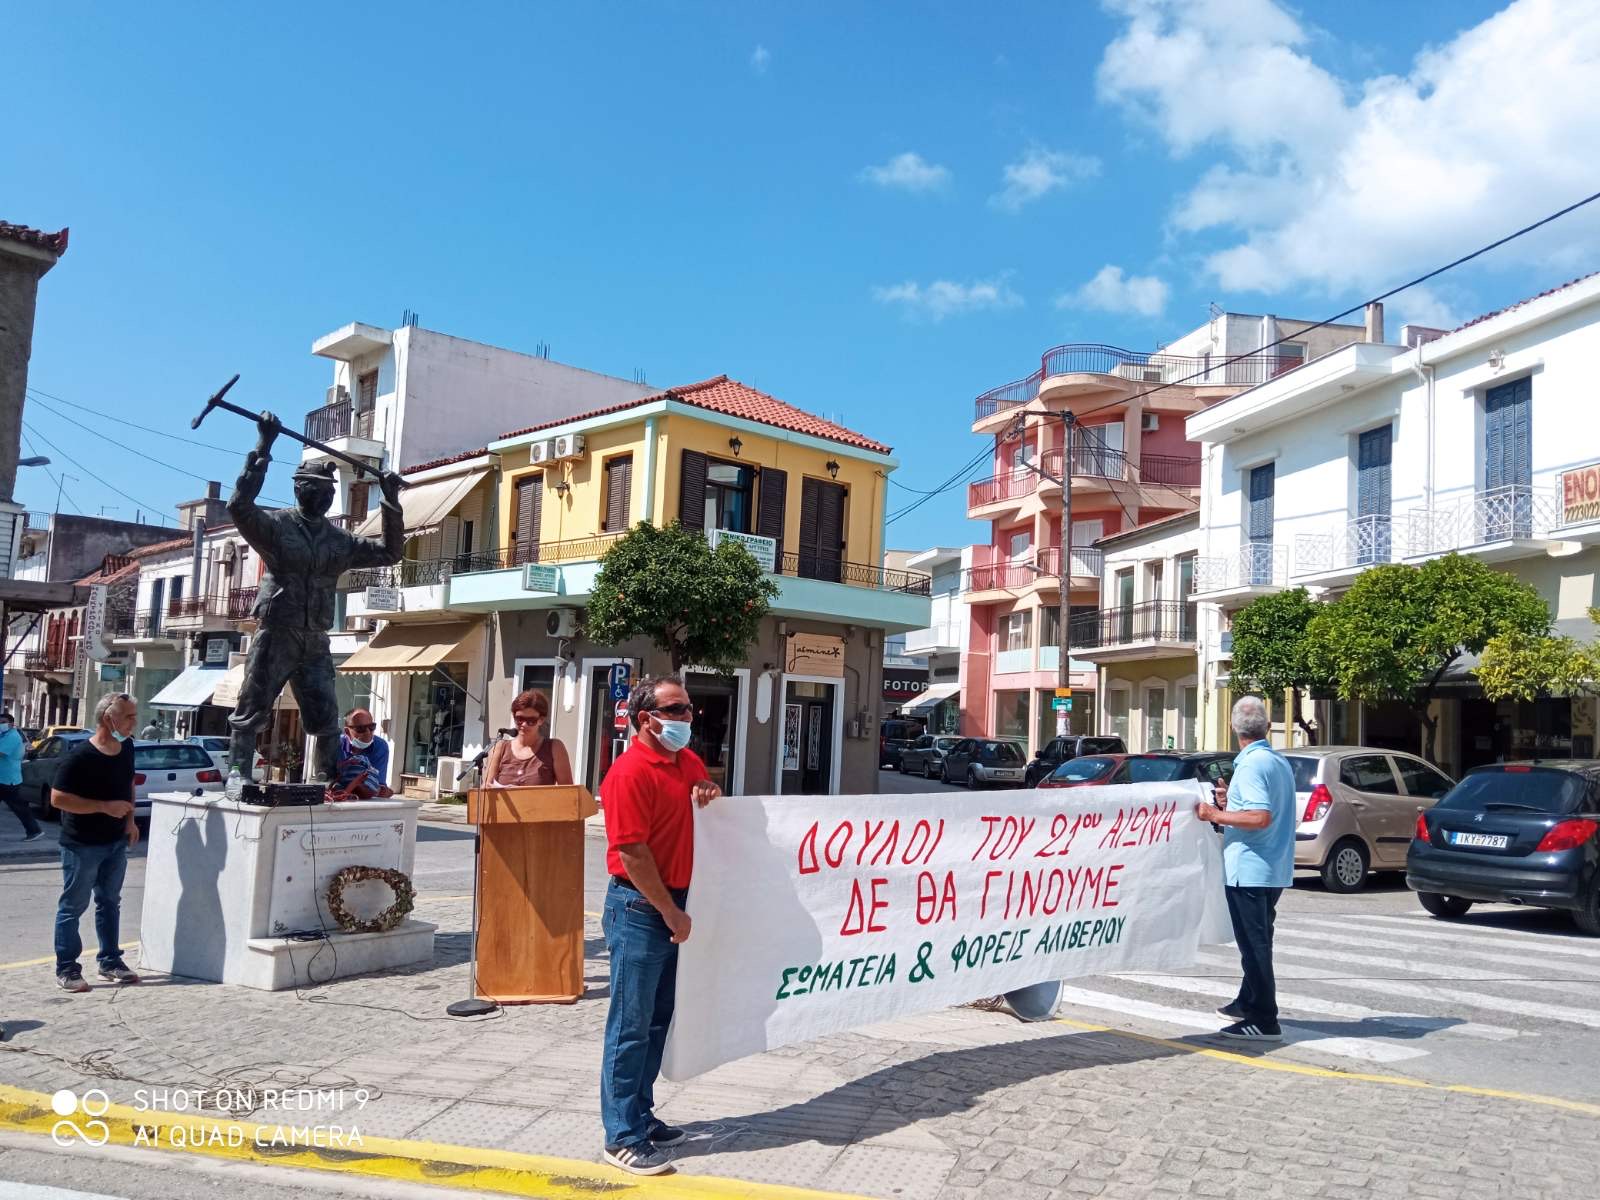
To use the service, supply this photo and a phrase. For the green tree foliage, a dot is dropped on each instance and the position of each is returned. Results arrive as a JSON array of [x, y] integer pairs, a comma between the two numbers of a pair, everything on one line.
[[1271, 652], [1520, 666], [701, 606], [1399, 628]]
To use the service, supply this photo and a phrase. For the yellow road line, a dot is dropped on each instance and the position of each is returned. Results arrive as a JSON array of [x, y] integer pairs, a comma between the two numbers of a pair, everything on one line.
[[127, 948], [1294, 1068], [467, 1167]]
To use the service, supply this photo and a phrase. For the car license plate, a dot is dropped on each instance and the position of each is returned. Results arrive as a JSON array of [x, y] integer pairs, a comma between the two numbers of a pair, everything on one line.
[[1489, 841]]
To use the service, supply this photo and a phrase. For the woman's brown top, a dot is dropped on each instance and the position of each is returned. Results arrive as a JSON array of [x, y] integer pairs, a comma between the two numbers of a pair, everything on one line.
[[537, 770]]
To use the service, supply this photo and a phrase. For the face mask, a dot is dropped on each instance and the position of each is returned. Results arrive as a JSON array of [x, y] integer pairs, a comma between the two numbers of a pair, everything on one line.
[[360, 745], [674, 735], [119, 735], [5, 726]]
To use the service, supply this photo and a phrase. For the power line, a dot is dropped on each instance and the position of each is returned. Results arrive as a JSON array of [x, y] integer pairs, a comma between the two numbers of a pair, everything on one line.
[[139, 453], [61, 488], [154, 510], [131, 424]]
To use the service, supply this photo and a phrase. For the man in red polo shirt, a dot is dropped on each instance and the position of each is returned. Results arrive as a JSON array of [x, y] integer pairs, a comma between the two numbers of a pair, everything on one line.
[[649, 796]]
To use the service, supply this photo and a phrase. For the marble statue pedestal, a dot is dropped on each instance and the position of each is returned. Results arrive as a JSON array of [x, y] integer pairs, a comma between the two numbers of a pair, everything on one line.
[[236, 894]]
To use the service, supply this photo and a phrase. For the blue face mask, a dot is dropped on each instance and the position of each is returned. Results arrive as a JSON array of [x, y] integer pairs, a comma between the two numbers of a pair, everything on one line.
[[674, 735], [119, 735]]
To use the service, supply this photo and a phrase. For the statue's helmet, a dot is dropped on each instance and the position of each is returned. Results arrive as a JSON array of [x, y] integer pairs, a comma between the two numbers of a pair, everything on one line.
[[314, 487]]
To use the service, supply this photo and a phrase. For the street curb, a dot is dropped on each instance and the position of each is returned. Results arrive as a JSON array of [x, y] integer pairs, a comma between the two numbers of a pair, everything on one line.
[[500, 1171]]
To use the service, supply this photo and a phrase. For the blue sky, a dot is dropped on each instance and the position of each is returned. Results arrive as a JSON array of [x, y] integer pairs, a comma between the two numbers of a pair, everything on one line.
[[872, 211]]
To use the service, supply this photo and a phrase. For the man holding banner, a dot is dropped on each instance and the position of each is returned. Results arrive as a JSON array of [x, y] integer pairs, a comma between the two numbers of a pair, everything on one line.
[[651, 791], [1258, 863]]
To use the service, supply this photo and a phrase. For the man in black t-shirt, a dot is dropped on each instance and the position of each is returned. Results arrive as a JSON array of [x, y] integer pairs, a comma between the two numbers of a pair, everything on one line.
[[94, 792]]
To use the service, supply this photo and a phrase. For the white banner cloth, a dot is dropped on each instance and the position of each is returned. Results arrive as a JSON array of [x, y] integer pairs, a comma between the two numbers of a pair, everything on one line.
[[817, 914]]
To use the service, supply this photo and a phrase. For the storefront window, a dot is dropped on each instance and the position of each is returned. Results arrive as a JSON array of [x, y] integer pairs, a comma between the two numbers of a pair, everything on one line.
[[1155, 718], [1189, 719], [354, 691], [1117, 711], [1011, 715], [1080, 718], [436, 719]]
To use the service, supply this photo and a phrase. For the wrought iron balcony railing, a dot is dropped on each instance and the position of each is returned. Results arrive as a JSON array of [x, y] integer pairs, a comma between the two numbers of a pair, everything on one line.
[[338, 420], [1519, 512], [1132, 624], [1254, 564], [424, 572]]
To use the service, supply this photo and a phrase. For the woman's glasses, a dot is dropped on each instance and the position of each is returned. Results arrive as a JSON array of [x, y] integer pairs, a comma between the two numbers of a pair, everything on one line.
[[526, 719]]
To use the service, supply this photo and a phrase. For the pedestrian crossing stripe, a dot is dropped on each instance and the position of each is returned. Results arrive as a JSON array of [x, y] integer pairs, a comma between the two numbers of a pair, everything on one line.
[[463, 1167]]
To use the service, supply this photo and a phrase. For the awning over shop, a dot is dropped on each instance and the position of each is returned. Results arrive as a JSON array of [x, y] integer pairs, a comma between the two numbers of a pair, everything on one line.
[[426, 505], [936, 693], [412, 649], [227, 693], [190, 689]]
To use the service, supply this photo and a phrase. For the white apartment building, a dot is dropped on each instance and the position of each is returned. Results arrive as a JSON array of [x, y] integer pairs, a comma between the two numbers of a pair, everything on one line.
[[1482, 441], [944, 640]]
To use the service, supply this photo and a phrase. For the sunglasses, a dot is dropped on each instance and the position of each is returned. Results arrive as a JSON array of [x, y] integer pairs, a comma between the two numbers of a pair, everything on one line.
[[364, 728], [674, 710], [536, 719]]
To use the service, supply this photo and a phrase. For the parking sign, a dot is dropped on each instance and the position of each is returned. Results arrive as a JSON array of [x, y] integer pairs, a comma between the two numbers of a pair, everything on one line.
[[621, 679]]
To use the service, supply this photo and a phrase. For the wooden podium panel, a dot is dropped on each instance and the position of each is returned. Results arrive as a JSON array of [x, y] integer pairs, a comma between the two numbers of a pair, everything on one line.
[[530, 892]]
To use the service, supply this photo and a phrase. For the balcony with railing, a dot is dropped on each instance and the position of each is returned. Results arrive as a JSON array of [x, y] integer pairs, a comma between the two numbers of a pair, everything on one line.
[[1324, 558], [146, 625], [53, 658], [1254, 569], [338, 420], [1154, 629], [1041, 571], [1134, 366], [1498, 523]]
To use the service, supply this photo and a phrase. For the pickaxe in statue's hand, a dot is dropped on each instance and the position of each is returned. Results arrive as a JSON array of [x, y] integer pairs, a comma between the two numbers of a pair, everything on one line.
[[217, 401]]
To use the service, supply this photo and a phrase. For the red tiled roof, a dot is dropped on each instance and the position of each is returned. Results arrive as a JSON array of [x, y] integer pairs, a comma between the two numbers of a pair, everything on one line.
[[122, 572], [445, 462], [1489, 316], [156, 548], [733, 399], [56, 242]]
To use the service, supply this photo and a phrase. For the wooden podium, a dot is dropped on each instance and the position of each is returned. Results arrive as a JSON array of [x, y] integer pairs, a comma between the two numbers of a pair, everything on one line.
[[530, 892]]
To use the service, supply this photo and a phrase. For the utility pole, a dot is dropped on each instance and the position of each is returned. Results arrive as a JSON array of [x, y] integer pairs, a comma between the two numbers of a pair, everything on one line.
[[1064, 668]]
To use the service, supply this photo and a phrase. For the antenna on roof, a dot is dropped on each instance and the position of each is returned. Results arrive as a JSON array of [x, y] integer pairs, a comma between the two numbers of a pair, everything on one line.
[[542, 350], [638, 375], [409, 319]]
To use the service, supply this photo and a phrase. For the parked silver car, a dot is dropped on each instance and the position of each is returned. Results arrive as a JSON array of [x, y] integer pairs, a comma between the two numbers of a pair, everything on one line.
[[157, 767], [1356, 809], [925, 756]]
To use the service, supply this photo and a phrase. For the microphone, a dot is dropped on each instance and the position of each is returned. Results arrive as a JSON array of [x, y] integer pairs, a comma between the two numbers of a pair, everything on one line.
[[506, 732]]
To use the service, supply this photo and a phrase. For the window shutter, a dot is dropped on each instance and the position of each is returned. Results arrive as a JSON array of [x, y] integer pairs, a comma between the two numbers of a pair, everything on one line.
[[1262, 481], [774, 492], [619, 492], [525, 533], [358, 502], [1374, 455], [692, 491], [810, 508], [1521, 429]]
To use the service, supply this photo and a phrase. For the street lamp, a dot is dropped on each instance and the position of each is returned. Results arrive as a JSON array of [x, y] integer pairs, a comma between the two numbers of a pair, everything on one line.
[[36, 460]]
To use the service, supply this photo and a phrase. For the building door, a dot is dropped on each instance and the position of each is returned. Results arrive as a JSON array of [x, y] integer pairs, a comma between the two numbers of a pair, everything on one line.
[[1506, 507], [716, 727], [821, 530], [1190, 628], [606, 741], [1155, 718], [525, 519], [806, 748], [1190, 719], [1124, 607], [1258, 550], [1370, 540], [1154, 625]]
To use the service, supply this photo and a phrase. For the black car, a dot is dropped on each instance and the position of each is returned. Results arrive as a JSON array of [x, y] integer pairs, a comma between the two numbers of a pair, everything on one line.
[[1517, 833], [894, 736], [1165, 766], [984, 762], [1065, 749]]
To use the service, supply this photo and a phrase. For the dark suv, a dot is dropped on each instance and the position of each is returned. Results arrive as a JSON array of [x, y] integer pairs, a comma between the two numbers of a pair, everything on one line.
[[1064, 749], [894, 736], [1519, 833]]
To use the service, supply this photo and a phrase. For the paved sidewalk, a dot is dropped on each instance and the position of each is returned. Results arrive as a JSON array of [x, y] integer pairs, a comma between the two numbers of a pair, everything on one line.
[[960, 1103]]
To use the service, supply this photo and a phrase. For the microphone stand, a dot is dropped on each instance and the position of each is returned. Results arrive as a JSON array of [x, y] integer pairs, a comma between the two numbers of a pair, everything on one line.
[[475, 1005]]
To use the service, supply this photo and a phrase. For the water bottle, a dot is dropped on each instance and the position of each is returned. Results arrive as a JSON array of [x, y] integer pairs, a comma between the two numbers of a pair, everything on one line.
[[234, 788]]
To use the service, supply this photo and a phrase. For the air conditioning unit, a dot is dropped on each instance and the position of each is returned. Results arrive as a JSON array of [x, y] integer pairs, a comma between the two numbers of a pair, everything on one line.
[[1150, 422], [338, 394], [448, 773], [541, 452], [358, 624], [561, 623], [1152, 375], [569, 446]]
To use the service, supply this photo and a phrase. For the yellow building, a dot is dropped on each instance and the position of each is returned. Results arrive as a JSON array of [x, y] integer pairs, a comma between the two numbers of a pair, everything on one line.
[[804, 494]]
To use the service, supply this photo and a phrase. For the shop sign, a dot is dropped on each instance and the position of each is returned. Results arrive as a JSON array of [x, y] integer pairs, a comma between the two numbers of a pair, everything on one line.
[[904, 683], [537, 577], [383, 598], [113, 672], [815, 654], [217, 650], [763, 549], [1580, 494]]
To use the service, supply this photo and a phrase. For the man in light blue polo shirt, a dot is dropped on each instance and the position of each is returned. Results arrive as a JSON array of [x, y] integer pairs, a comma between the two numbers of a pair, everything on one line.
[[1258, 821]]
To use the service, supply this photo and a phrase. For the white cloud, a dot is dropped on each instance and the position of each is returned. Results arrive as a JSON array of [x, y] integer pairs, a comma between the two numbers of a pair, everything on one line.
[[908, 171], [1112, 291], [759, 58], [1421, 305], [1040, 172], [1341, 184], [944, 298]]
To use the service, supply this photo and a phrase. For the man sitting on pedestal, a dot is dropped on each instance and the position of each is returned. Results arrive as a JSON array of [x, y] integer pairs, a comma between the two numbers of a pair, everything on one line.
[[363, 758]]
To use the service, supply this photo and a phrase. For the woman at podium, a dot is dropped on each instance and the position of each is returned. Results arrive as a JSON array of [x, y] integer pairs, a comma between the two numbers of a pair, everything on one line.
[[530, 759]]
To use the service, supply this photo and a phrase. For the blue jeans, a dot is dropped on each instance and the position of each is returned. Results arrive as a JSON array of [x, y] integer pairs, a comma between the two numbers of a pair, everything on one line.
[[86, 871], [1254, 911], [644, 979]]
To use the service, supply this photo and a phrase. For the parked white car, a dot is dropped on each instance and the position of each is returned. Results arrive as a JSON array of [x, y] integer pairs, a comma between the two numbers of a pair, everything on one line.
[[217, 748]]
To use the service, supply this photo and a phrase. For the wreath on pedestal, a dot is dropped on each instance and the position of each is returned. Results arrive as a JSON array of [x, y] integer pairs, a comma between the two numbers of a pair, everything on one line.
[[397, 881]]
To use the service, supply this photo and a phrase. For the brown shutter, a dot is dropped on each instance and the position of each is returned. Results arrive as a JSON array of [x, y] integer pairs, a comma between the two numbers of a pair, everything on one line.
[[810, 503], [358, 503], [530, 505], [692, 491], [773, 490], [830, 531], [619, 493]]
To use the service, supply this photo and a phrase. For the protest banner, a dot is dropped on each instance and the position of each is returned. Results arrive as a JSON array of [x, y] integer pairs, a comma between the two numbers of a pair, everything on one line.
[[824, 913]]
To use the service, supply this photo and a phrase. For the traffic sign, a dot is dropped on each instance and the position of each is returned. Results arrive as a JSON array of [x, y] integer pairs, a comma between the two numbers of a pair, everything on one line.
[[620, 721], [621, 680], [1061, 704], [1062, 693]]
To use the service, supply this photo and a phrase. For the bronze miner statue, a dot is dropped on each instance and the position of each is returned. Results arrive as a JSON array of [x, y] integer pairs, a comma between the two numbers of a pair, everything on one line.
[[305, 554]]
